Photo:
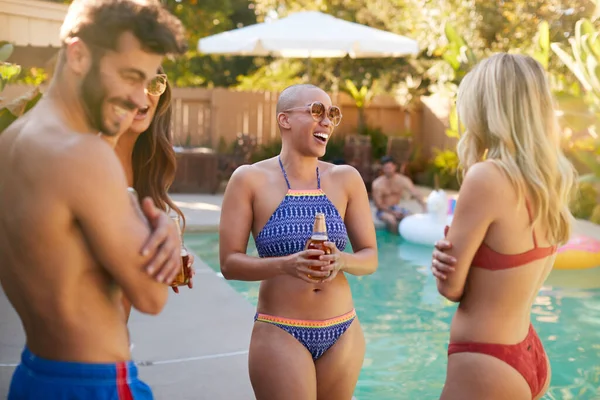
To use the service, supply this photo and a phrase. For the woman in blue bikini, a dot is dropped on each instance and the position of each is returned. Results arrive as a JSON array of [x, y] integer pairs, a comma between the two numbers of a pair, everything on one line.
[[307, 342]]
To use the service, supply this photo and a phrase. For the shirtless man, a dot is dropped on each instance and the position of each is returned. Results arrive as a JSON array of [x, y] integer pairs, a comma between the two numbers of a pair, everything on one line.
[[72, 240], [388, 189]]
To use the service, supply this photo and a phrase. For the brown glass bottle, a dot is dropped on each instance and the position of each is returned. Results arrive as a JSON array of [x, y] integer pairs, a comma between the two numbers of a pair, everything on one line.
[[183, 277], [317, 240]]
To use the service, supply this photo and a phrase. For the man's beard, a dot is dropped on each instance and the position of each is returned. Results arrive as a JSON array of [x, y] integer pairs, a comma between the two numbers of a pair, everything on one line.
[[93, 96]]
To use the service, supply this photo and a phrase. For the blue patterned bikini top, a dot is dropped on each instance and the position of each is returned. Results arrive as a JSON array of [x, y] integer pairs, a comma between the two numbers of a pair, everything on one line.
[[291, 225]]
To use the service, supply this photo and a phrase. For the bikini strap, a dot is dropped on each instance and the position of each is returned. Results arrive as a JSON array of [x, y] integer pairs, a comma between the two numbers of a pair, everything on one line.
[[531, 220], [288, 182], [284, 174], [318, 179]]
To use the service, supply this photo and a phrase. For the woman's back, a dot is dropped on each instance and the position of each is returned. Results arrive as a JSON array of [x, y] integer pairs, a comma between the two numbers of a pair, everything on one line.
[[511, 215], [507, 272]]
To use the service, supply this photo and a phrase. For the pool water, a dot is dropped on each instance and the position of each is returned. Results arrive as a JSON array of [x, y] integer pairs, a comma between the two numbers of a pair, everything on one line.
[[406, 324]]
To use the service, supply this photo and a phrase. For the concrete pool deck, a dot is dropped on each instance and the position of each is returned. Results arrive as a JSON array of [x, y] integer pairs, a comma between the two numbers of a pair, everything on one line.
[[197, 347]]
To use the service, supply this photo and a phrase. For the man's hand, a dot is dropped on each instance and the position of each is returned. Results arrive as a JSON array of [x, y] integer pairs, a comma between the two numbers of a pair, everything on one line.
[[164, 244], [442, 263], [398, 214]]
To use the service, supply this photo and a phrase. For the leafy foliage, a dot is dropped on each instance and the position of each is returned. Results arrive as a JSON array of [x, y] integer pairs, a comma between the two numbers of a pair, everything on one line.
[[8, 73]]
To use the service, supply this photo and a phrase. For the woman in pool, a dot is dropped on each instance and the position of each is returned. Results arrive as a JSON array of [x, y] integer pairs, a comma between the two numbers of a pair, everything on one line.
[[511, 215], [146, 153], [307, 342]]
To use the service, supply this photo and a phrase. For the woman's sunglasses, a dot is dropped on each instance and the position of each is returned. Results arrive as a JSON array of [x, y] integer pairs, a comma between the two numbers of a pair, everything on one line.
[[157, 85], [318, 110]]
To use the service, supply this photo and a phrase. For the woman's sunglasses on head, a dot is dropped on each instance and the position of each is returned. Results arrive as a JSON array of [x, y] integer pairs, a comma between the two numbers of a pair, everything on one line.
[[157, 85], [318, 111]]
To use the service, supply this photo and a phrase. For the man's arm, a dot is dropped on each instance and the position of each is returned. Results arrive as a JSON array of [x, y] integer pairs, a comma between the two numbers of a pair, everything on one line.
[[414, 192], [97, 195]]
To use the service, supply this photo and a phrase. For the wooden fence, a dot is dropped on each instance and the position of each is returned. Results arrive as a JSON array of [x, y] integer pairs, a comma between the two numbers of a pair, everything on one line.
[[205, 117], [208, 117]]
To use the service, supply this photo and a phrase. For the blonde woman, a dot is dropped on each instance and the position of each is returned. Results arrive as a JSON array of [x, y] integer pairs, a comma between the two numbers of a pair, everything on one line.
[[511, 216]]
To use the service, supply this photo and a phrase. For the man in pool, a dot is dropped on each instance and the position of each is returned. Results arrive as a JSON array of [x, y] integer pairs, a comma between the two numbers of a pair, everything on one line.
[[388, 189], [71, 240]]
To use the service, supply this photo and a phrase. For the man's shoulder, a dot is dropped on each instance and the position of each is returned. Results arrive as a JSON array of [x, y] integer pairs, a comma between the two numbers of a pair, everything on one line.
[[85, 150], [402, 178], [88, 168], [81, 162], [59, 148], [378, 180]]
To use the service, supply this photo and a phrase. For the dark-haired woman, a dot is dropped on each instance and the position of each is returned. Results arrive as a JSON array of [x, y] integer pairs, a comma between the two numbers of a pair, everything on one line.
[[146, 152]]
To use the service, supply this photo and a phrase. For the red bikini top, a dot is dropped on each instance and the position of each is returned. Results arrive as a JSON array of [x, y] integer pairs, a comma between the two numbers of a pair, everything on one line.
[[487, 258]]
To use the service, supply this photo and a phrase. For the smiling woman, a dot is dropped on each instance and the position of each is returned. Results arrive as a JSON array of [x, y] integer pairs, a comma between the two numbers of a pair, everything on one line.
[[307, 334], [145, 148], [146, 151]]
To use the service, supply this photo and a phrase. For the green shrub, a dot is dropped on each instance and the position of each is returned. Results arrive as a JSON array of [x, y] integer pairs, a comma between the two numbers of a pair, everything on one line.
[[417, 165], [379, 141], [8, 73], [445, 165], [595, 217], [266, 150], [582, 206], [335, 149]]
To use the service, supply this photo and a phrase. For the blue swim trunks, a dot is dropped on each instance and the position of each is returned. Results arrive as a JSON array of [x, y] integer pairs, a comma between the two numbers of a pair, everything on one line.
[[396, 207], [41, 379]]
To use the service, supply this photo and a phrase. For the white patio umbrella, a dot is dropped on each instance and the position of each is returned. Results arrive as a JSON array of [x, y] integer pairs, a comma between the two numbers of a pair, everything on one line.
[[309, 34]]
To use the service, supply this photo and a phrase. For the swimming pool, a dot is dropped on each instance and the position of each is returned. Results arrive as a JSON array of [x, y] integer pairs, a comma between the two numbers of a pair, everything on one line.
[[406, 324]]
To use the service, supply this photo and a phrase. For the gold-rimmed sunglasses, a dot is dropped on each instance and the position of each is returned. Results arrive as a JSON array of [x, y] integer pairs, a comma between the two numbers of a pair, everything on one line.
[[157, 85], [318, 111]]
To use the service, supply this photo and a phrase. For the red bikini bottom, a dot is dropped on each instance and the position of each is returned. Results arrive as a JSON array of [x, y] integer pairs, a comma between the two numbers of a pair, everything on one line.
[[527, 357]]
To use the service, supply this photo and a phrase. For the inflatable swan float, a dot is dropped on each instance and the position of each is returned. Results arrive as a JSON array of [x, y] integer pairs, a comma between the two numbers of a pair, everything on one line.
[[427, 228], [579, 253]]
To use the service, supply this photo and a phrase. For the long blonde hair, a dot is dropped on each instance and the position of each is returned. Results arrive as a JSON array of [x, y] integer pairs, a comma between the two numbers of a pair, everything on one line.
[[507, 109]]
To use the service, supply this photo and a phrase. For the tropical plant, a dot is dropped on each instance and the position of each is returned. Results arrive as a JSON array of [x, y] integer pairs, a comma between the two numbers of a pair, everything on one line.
[[583, 59], [584, 202], [362, 97], [587, 152], [8, 73], [445, 167], [458, 54]]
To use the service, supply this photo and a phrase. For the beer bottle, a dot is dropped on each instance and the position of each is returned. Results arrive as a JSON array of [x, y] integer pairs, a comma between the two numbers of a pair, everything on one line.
[[317, 240], [183, 277]]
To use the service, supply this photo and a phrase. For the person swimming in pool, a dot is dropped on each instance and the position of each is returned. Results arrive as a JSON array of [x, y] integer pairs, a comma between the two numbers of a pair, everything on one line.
[[72, 241], [307, 342], [511, 215], [388, 189]]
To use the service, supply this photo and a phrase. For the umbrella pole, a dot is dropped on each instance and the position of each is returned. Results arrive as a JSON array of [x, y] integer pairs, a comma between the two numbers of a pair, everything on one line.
[[308, 69]]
